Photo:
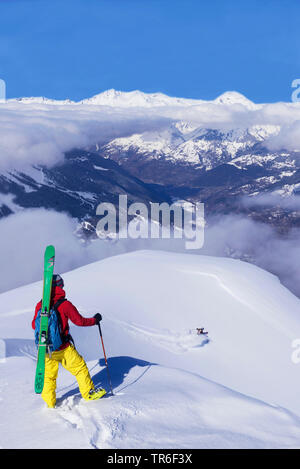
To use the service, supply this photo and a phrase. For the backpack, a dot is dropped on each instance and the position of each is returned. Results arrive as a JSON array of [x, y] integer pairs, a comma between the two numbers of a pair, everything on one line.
[[55, 337]]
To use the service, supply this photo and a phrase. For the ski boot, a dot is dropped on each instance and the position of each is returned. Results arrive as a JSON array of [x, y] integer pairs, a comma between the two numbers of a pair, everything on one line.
[[95, 394]]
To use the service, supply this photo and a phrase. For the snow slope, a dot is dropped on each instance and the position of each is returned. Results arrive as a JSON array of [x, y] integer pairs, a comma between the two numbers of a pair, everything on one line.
[[236, 388]]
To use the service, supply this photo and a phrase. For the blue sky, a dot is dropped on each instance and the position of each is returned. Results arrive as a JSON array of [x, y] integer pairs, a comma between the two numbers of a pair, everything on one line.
[[190, 48]]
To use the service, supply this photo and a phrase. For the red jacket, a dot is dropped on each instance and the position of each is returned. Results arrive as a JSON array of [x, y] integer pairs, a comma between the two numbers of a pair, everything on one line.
[[66, 311]]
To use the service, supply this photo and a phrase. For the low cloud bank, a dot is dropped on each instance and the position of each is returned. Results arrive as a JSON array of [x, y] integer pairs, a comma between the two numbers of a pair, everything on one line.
[[24, 236], [35, 133], [41, 134], [258, 243], [272, 199]]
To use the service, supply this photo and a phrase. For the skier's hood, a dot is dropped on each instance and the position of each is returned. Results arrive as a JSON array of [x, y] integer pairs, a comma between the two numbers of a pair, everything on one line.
[[57, 294]]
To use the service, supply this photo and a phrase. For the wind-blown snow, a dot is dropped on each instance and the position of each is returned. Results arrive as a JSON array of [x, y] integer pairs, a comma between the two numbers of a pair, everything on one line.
[[235, 388]]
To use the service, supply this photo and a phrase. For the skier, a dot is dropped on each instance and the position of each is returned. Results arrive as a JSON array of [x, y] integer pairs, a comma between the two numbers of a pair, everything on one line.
[[67, 354]]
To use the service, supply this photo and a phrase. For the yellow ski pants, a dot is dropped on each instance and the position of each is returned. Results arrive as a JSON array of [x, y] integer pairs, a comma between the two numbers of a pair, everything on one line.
[[75, 364]]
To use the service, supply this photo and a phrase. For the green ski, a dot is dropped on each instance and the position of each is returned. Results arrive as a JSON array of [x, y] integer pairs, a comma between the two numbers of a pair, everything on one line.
[[42, 347]]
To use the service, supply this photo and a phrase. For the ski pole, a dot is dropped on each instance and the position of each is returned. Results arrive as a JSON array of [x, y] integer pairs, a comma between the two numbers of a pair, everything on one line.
[[100, 332]]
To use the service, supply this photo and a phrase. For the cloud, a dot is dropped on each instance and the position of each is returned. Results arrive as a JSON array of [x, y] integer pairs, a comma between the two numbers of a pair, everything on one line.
[[40, 133], [23, 240], [272, 199], [288, 138], [25, 235], [240, 237]]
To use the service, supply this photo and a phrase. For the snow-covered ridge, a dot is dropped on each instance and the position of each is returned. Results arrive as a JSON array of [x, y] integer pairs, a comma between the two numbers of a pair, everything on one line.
[[137, 98], [230, 98], [183, 142], [41, 100], [230, 389]]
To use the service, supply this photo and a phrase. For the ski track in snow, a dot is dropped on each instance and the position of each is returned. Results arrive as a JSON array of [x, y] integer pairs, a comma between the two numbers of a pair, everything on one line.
[[108, 426], [255, 309], [99, 430], [15, 312], [176, 342], [81, 419]]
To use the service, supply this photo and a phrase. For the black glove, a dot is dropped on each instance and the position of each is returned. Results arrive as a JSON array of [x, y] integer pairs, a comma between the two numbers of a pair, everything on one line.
[[98, 317]]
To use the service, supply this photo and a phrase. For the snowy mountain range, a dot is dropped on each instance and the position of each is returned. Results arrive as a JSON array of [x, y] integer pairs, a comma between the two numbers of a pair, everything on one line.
[[237, 387], [139, 99], [216, 167], [75, 187], [178, 158]]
